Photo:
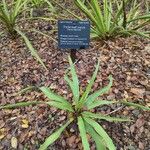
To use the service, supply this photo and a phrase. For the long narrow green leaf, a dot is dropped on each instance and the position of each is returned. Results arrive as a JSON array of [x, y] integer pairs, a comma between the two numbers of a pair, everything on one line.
[[98, 103], [101, 132], [5, 6], [136, 105], [29, 45], [140, 17], [88, 88], [60, 105], [21, 104], [74, 84], [54, 97], [104, 117], [100, 92], [98, 13], [25, 90], [100, 144], [83, 135], [52, 138]]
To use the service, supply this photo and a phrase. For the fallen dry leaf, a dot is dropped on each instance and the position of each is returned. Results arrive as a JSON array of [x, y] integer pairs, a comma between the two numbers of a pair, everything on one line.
[[14, 142], [137, 91], [25, 123], [2, 135]]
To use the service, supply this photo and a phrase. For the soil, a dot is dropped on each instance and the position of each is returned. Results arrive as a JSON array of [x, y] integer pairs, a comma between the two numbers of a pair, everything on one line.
[[127, 59]]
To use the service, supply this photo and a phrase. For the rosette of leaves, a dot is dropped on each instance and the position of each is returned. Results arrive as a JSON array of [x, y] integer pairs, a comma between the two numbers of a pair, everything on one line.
[[79, 111], [117, 17], [10, 17]]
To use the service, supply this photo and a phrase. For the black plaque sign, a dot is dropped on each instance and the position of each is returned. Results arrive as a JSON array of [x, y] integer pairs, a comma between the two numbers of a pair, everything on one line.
[[73, 34]]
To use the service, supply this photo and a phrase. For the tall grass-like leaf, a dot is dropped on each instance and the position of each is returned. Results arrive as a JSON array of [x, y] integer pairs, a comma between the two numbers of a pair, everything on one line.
[[21, 104], [60, 106], [74, 83], [29, 45], [57, 98], [52, 138], [88, 88], [102, 91], [25, 90], [140, 18], [53, 96], [98, 103], [101, 132], [136, 105], [83, 135], [100, 145], [5, 8], [104, 117]]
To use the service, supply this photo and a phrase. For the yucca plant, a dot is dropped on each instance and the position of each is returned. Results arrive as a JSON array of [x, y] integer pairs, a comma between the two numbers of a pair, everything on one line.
[[111, 18], [9, 17], [79, 111]]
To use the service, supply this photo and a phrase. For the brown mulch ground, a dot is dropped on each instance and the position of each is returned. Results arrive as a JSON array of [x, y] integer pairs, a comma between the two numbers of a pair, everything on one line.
[[127, 59]]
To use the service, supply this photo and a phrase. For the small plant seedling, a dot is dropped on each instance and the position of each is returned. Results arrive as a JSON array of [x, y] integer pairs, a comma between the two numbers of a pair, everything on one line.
[[79, 111]]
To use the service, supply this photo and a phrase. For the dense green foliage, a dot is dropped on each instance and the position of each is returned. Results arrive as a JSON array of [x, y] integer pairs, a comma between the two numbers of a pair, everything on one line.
[[112, 18]]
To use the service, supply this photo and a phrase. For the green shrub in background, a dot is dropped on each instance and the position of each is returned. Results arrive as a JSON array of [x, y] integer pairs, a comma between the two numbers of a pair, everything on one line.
[[111, 18], [9, 17], [79, 111]]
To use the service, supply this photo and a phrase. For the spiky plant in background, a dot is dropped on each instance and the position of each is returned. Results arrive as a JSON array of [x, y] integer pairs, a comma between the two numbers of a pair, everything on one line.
[[111, 18]]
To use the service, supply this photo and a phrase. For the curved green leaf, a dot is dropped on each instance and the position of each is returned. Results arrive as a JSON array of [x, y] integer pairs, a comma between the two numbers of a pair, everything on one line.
[[56, 98], [100, 92], [29, 45], [52, 138], [88, 88], [98, 103], [101, 132], [136, 105], [74, 84], [21, 104], [104, 117], [59, 105], [83, 135], [100, 145]]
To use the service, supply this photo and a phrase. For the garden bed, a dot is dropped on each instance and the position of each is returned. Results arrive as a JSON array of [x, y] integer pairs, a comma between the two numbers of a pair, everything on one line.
[[127, 59]]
